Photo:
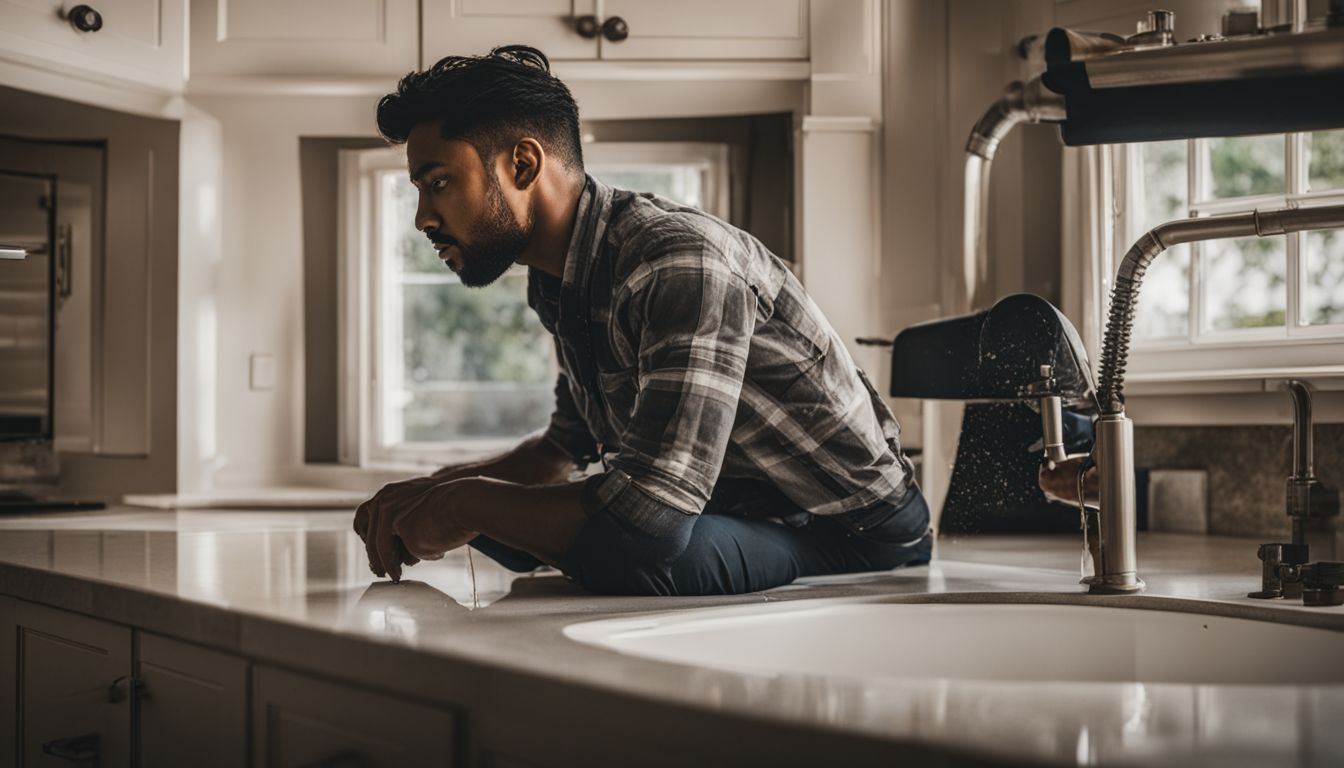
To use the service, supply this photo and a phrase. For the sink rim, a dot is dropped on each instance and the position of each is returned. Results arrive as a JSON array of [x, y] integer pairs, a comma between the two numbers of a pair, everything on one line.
[[597, 633], [1273, 612]]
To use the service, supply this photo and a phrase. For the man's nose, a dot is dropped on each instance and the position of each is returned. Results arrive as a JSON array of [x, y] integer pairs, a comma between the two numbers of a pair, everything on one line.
[[425, 217]]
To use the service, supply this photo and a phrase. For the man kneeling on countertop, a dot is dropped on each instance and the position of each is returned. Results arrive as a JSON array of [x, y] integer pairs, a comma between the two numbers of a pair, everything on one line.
[[742, 448]]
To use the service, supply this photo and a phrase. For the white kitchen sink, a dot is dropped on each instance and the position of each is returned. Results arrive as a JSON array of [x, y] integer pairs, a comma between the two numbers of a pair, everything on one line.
[[875, 640]]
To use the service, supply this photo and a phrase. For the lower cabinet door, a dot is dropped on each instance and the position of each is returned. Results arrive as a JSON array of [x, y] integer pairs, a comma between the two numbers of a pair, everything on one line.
[[192, 705], [302, 722], [75, 689], [9, 682]]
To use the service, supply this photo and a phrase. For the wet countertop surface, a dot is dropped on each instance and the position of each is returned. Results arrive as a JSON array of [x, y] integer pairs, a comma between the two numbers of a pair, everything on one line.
[[294, 588]]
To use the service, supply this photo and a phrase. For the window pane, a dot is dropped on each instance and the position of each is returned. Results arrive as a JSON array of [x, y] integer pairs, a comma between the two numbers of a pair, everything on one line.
[[477, 362], [414, 251], [1326, 150], [452, 414], [681, 183], [470, 363], [1164, 184], [1246, 165], [456, 333], [1323, 301], [1164, 304], [1245, 282], [1164, 301]]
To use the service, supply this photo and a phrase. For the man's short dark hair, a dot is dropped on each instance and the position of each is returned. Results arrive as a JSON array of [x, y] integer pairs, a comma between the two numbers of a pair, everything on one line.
[[490, 102]]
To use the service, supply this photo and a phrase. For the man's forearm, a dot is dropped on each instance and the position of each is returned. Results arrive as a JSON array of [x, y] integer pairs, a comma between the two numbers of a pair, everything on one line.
[[541, 520], [534, 461]]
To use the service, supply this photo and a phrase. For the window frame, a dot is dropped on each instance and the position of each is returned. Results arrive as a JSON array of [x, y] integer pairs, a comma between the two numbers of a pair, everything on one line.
[[1204, 353], [711, 157], [363, 284]]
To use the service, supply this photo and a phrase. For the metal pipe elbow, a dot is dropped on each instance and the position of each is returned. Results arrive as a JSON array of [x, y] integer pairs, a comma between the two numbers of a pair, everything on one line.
[[1029, 102]]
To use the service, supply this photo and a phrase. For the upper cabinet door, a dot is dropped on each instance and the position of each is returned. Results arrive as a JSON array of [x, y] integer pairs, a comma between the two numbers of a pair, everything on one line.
[[469, 27], [303, 37], [705, 29], [138, 41]]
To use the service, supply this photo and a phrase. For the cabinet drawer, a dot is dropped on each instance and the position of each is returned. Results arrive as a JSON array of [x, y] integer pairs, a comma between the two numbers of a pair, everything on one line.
[[302, 721], [322, 38], [709, 29], [458, 27], [192, 705], [74, 689], [141, 41]]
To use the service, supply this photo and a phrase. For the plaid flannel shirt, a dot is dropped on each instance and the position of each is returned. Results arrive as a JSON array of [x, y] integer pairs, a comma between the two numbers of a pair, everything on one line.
[[691, 352]]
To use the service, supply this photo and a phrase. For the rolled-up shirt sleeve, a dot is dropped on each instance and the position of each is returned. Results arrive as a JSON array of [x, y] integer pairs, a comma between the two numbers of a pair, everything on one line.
[[694, 318], [567, 427]]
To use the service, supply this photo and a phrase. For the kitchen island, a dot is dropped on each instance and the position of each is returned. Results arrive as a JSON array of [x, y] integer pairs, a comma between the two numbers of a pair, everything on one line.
[[325, 656]]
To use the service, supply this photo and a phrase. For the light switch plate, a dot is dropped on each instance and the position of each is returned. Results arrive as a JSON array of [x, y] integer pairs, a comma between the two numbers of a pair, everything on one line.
[[261, 372]]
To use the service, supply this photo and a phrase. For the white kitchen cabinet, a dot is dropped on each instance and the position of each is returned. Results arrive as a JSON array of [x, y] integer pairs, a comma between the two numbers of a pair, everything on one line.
[[192, 705], [657, 30], [141, 41], [708, 29], [75, 689], [302, 721], [459, 27], [324, 38]]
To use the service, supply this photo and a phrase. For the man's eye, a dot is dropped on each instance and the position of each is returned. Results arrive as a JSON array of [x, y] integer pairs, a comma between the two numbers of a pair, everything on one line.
[[438, 185]]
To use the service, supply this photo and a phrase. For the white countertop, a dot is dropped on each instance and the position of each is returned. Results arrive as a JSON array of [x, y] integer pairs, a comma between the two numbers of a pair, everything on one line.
[[293, 588]]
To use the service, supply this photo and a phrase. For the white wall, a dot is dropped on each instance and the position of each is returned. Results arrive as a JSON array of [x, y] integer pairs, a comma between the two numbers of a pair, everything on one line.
[[258, 278]]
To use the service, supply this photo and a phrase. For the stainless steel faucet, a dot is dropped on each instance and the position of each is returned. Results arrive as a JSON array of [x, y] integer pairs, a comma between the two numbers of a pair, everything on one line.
[[1311, 505], [1114, 556], [1287, 570]]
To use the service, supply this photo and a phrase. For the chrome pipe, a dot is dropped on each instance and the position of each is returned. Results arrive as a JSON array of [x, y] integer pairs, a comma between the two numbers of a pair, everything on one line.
[[1116, 567], [1281, 55], [1052, 428], [1021, 102], [1302, 459]]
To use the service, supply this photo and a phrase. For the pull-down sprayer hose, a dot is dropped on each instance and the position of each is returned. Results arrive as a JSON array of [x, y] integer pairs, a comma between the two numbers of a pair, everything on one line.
[[1129, 278]]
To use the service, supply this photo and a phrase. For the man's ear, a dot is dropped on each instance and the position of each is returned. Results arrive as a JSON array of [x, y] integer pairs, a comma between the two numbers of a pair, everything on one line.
[[528, 160]]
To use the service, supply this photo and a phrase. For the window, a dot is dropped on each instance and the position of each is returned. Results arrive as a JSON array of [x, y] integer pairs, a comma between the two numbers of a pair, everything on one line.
[[1245, 304], [432, 368]]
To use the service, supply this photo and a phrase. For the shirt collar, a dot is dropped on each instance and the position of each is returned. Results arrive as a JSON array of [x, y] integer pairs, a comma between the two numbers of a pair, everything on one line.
[[590, 228]]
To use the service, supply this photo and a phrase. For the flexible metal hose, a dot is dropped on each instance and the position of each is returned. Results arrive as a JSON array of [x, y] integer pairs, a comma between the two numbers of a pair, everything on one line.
[[1120, 321], [1129, 278]]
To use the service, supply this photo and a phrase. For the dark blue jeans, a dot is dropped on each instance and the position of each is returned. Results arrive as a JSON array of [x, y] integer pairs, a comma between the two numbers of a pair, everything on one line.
[[718, 554]]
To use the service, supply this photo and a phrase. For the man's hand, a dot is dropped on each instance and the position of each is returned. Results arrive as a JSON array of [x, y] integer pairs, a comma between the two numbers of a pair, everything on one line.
[[413, 520], [1061, 482]]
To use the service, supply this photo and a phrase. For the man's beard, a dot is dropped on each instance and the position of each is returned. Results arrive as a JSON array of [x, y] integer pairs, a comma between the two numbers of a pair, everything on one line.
[[497, 243]]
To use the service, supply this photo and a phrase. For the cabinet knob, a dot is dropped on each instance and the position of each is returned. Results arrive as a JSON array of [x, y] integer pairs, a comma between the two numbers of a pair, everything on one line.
[[586, 26], [615, 29], [118, 690], [85, 18]]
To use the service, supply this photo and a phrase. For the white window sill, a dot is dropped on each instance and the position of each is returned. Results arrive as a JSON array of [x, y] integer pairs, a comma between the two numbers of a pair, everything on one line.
[[1231, 380]]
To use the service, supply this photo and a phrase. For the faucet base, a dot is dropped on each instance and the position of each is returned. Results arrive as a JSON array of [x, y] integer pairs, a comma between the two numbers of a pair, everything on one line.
[[1114, 584]]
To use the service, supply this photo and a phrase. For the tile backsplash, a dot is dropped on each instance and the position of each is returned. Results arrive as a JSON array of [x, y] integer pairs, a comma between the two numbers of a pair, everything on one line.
[[1247, 469]]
